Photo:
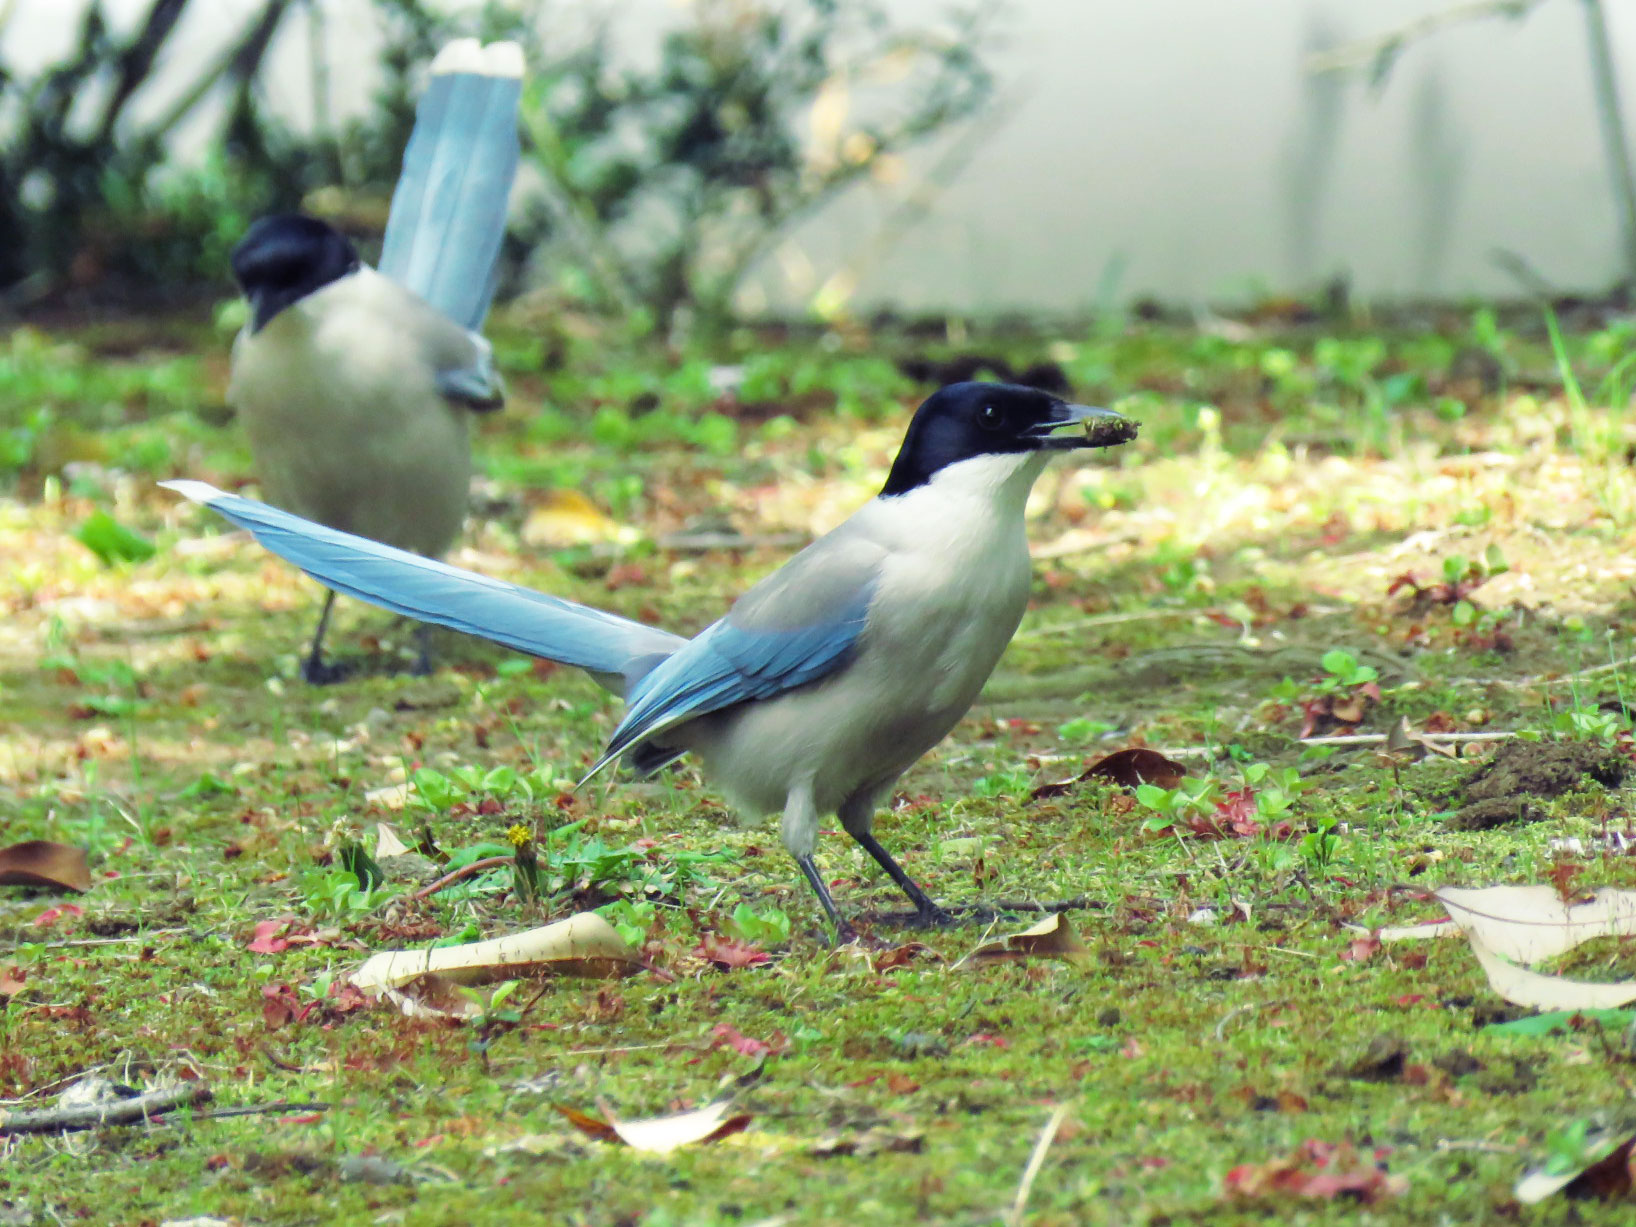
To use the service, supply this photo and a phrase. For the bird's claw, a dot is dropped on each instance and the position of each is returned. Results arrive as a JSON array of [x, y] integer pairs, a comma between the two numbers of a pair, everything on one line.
[[316, 672]]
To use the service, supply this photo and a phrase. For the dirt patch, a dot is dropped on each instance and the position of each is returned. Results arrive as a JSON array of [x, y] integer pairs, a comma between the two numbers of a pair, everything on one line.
[[1499, 791], [1495, 812]]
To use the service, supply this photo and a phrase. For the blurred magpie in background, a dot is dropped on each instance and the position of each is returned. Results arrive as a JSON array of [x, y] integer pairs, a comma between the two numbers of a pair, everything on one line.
[[354, 384], [826, 680]]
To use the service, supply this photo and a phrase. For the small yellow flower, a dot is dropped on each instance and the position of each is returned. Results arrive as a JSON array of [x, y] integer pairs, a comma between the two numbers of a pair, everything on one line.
[[519, 836]]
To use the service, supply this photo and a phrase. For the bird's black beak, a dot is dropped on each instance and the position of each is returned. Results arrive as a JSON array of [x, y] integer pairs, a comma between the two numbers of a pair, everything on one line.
[[257, 299], [1102, 428]]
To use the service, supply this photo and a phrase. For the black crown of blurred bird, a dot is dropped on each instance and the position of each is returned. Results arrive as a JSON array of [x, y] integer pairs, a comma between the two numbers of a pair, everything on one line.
[[355, 383], [826, 680]]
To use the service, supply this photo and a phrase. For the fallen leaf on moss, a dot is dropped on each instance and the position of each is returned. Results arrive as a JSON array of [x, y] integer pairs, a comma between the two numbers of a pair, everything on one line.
[[567, 517], [1601, 1169], [659, 1135], [1520, 986], [1052, 938], [1316, 1171], [1128, 768], [1528, 924]]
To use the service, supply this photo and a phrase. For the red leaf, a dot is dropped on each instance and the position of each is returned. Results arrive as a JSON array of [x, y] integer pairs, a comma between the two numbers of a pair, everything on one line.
[[345, 997], [724, 1035], [1317, 1171], [280, 1006], [268, 937], [984, 1039], [1362, 949], [52, 915], [728, 953]]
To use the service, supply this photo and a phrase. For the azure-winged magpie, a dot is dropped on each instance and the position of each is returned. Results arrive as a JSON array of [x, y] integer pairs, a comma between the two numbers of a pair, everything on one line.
[[355, 384], [826, 680]]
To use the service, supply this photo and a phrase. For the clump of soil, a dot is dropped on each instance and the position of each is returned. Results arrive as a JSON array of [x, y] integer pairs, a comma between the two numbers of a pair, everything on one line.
[[1495, 812], [1501, 790]]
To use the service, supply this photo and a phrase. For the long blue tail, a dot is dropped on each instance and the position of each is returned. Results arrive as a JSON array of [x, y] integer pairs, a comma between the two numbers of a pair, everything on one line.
[[615, 650], [448, 215]]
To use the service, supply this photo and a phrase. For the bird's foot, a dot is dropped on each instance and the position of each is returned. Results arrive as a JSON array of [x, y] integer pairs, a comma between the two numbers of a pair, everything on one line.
[[315, 671], [931, 917], [850, 938]]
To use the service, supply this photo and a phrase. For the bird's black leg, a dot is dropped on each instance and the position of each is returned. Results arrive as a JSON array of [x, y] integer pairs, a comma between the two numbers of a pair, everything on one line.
[[423, 649], [844, 932], [313, 670], [928, 912]]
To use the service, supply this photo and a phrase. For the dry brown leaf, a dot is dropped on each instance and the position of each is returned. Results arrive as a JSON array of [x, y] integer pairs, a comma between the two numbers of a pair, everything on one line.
[[1053, 937], [427, 982], [1129, 768], [1528, 924], [40, 862], [1405, 742], [659, 1135], [1520, 986]]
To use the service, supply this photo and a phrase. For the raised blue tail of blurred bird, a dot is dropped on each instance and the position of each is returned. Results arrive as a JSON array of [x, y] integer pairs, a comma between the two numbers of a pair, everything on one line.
[[448, 215]]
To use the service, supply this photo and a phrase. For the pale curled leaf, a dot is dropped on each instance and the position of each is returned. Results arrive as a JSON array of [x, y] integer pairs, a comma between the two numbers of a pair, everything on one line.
[[1053, 937], [1602, 1170], [659, 1135], [424, 982], [1528, 924], [1520, 986], [40, 862], [387, 842]]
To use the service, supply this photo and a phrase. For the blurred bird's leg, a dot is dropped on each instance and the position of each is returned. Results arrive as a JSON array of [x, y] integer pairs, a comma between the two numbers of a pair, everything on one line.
[[424, 633], [800, 832], [857, 815], [314, 671]]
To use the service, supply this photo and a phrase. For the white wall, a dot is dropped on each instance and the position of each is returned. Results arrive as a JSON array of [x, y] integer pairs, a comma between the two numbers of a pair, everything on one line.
[[1150, 146]]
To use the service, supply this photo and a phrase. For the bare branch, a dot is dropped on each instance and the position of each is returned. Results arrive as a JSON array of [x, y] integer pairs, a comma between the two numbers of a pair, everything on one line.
[[1379, 52]]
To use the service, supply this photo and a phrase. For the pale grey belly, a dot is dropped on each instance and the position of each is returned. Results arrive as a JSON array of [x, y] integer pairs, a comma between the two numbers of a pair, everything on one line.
[[853, 733], [398, 479]]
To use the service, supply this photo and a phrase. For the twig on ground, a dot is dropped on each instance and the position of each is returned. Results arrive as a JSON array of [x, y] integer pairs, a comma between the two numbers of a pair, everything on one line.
[[1221, 1027], [1036, 1161], [110, 941], [1376, 739], [96, 1115], [1477, 1144], [465, 871], [261, 1109]]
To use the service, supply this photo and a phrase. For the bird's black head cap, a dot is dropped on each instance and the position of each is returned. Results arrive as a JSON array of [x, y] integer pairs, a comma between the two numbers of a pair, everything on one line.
[[282, 259], [967, 420]]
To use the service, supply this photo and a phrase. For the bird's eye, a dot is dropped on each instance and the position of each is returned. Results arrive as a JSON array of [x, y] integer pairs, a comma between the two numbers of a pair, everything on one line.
[[990, 418]]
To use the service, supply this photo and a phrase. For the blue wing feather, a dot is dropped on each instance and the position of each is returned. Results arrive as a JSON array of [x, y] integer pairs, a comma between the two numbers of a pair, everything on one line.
[[729, 663], [617, 650]]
